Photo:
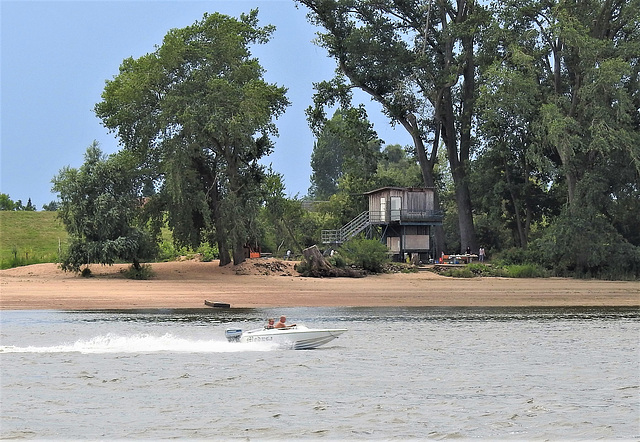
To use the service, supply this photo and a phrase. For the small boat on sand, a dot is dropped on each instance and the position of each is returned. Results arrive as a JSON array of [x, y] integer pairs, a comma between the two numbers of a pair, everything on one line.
[[297, 337]]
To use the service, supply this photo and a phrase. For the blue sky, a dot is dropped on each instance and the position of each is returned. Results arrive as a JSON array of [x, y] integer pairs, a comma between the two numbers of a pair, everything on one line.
[[56, 56]]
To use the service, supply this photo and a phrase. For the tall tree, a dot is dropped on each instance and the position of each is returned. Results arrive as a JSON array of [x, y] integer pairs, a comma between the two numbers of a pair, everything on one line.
[[562, 96], [346, 145], [587, 58], [418, 61], [398, 167], [6, 203], [510, 183], [100, 206], [592, 73], [199, 114]]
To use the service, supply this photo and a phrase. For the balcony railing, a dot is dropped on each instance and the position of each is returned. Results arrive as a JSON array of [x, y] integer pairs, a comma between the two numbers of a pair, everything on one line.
[[367, 218], [379, 217]]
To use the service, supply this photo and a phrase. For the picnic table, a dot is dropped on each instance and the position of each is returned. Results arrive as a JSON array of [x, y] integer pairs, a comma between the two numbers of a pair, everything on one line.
[[457, 259]]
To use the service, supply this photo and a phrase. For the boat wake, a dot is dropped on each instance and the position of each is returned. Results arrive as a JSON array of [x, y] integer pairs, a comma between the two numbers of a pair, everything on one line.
[[141, 343]]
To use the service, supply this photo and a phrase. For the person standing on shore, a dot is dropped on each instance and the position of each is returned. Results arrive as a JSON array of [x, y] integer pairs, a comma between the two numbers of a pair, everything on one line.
[[481, 254]]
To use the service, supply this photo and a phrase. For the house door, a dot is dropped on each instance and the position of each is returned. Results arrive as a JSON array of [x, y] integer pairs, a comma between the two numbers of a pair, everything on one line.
[[396, 206], [383, 209]]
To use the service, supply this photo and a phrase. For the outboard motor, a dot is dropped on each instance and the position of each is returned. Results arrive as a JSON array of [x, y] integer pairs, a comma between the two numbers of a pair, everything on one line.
[[233, 334]]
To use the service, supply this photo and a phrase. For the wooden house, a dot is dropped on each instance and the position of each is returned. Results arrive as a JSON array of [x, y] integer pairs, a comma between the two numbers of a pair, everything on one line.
[[402, 218]]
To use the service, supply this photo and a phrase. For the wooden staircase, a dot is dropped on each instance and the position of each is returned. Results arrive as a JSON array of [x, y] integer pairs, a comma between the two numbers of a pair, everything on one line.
[[348, 231]]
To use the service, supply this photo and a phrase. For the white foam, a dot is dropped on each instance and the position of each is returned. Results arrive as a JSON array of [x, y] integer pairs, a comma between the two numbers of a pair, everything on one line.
[[140, 343]]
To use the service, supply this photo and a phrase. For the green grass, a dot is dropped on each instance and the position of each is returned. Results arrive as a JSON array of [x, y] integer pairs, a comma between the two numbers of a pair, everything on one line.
[[30, 238]]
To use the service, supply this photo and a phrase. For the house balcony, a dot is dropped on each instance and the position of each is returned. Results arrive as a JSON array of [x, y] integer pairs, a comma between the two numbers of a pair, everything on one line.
[[406, 217]]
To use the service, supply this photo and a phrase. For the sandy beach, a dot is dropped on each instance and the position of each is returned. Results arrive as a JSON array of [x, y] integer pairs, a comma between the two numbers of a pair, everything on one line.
[[271, 283]]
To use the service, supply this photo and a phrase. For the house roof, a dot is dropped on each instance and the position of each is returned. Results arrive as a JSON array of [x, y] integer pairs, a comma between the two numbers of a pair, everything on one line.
[[408, 189]]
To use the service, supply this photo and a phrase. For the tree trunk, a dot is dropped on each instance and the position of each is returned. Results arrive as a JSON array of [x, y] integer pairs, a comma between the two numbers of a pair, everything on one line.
[[315, 259], [238, 255], [459, 155], [320, 267], [224, 253], [465, 214], [516, 206], [235, 230], [459, 174], [293, 238]]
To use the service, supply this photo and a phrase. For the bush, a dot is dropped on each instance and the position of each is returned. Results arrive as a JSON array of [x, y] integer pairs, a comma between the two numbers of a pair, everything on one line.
[[588, 246], [510, 271], [462, 272], [479, 269], [168, 252], [208, 253], [368, 254], [517, 255], [337, 260], [144, 272], [525, 271]]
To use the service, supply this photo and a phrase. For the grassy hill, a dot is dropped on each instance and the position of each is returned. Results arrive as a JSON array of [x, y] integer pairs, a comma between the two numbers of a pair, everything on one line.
[[30, 238]]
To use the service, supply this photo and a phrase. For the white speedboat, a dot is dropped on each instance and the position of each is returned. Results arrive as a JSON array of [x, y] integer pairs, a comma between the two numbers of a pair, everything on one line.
[[298, 337]]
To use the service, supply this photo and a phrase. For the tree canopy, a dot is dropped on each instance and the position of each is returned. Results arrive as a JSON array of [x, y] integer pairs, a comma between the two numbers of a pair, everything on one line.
[[199, 115], [523, 116], [347, 146], [100, 205], [417, 60], [535, 102]]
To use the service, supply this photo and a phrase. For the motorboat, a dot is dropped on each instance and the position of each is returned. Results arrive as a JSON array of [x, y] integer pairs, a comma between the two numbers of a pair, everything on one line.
[[298, 337]]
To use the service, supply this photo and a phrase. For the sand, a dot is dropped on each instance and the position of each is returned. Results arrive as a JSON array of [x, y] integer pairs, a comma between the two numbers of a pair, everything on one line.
[[270, 283]]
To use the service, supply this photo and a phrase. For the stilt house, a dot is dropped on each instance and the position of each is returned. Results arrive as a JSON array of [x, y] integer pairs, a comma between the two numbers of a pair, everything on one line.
[[402, 218]]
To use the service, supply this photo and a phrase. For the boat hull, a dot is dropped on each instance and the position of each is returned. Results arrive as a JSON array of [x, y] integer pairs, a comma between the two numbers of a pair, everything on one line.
[[297, 338]]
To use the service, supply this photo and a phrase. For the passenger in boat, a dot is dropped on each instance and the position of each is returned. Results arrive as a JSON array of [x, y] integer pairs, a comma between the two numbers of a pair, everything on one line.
[[270, 324], [282, 324]]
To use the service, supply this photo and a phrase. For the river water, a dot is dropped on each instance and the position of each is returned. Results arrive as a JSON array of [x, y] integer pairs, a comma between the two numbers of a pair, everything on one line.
[[398, 373]]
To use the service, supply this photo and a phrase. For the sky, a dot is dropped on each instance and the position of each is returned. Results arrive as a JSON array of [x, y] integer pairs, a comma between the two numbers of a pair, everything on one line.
[[56, 55]]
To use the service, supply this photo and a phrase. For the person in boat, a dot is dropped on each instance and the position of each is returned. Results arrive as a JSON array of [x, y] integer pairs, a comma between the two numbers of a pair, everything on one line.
[[281, 324], [270, 323]]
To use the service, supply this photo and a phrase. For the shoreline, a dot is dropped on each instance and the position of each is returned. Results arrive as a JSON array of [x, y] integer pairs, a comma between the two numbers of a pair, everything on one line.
[[272, 283]]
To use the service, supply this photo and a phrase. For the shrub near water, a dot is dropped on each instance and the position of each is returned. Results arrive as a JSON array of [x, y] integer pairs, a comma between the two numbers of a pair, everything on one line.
[[479, 269], [508, 271], [525, 271], [367, 254], [143, 273]]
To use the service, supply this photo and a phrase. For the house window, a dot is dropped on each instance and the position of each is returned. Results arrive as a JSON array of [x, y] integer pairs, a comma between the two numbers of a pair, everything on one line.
[[396, 206]]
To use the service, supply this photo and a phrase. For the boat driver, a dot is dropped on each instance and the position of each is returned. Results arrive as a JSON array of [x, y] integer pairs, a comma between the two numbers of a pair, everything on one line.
[[282, 324], [270, 324]]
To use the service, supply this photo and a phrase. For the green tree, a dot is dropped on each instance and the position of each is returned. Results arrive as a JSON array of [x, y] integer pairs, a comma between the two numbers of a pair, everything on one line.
[[417, 60], [51, 207], [30, 207], [398, 167], [347, 145], [592, 70], [586, 78], [326, 164], [6, 203], [511, 187], [199, 116], [286, 223], [100, 205]]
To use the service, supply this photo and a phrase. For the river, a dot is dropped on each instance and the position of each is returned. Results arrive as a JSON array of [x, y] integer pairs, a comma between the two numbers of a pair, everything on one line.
[[398, 373]]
